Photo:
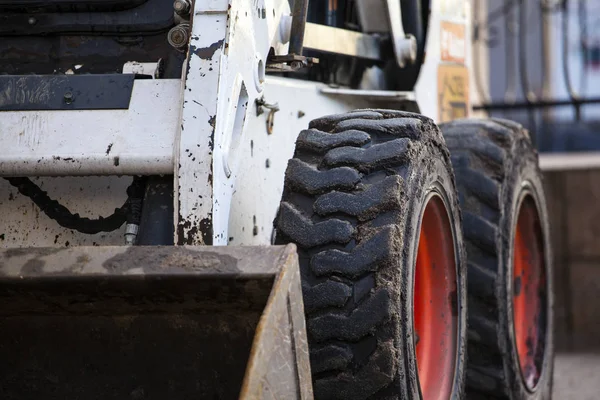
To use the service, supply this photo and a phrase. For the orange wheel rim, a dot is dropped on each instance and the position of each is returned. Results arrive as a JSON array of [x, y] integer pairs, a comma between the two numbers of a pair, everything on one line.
[[529, 292], [435, 303]]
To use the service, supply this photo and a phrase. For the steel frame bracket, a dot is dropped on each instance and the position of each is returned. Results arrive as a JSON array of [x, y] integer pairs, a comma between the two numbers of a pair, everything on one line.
[[225, 73], [289, 63], [405, 46]]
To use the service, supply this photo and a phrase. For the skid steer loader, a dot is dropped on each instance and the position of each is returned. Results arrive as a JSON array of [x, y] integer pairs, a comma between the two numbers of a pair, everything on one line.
[[262, 199]]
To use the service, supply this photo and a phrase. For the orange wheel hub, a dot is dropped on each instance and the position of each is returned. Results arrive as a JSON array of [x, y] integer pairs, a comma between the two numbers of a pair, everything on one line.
[[529, 292], [435, 303]]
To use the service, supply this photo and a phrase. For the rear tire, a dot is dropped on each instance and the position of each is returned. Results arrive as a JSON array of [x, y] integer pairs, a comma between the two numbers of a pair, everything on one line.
[[354, 197], [505, 223]]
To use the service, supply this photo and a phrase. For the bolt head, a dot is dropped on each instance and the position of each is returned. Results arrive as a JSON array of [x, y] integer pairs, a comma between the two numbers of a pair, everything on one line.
[[181, 6], [68, 97], [178, 36]]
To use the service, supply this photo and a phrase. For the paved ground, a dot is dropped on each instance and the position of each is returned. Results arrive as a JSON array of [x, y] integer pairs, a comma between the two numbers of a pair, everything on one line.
[[577, 376]]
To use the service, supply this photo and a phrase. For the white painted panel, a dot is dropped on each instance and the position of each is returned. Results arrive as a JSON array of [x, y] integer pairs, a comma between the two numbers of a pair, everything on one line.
[[138, 140], [258, 188]]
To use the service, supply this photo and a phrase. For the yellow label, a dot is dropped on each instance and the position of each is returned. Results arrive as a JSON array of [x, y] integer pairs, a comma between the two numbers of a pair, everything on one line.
[[453, 92]]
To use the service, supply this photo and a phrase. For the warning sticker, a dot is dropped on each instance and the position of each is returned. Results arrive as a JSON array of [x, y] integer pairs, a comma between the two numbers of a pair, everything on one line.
[[453, 92], [453, 42]]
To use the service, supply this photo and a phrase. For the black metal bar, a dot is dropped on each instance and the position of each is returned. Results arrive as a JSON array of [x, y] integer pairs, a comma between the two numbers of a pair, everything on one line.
[[510, 92], [153, 16], [545, 54], [65, 92], [583, 34], [523, 70], [537, 104], [299, 12], [565, 60], [479, 41], [156, 227]]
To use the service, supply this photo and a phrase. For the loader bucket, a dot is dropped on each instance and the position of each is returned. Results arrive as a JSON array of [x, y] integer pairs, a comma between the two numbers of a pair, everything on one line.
[[152, 323]]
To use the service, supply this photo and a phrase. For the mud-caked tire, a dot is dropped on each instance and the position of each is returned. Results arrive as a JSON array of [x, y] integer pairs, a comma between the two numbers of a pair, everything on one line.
[[505, 224], [355, 195]]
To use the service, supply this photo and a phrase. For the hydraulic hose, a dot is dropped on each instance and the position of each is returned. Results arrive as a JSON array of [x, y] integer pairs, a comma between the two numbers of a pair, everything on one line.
[[130, 212]]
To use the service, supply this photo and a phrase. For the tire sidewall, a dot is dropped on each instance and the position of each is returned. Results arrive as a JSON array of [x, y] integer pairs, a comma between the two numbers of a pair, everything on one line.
[[524, 178], [432, 175]]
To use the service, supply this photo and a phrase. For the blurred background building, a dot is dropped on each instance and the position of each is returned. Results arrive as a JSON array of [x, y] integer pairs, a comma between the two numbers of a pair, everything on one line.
[[538, 62]]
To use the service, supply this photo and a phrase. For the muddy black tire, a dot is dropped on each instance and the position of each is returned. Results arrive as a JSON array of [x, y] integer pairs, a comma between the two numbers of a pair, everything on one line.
[[353, 199], [497, 174]]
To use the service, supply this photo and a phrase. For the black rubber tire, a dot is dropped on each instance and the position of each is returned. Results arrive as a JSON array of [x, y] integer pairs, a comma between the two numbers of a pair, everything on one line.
[[494, 162], [352, 202]]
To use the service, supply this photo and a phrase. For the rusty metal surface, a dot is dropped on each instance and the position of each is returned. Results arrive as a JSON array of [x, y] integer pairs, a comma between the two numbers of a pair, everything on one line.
[[175, 356], [135, 261], [151, 322], [279, 366]]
